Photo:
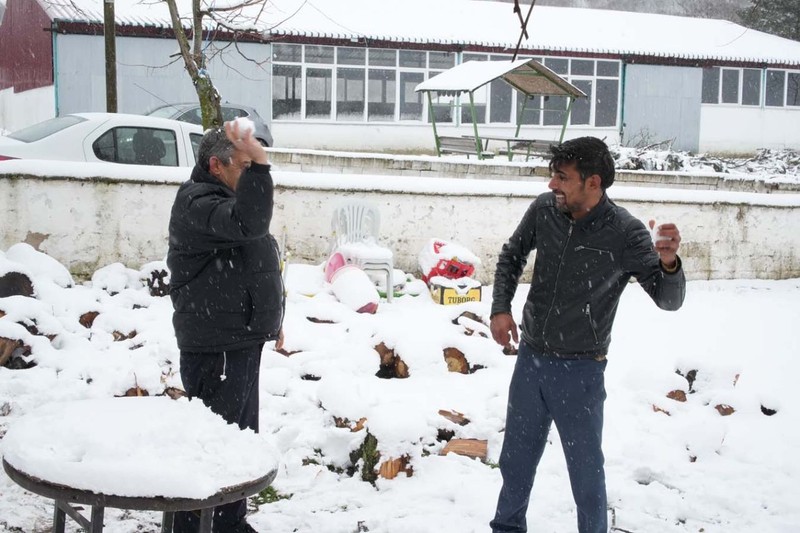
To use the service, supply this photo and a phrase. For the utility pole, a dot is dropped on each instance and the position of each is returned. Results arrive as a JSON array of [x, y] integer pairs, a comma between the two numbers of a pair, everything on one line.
[[111, 55]]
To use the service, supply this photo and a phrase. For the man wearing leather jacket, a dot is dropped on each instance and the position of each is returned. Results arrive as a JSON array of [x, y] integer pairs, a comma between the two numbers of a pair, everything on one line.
[[587, 249], [225, 286]]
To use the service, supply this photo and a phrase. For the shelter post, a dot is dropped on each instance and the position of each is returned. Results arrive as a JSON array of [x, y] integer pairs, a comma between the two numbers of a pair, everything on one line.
[[566, 119], [478, 142], [433, 123]]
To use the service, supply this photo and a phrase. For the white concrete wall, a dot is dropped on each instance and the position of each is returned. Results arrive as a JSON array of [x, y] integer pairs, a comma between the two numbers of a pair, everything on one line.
[[19, 110], [86, 224], [740, 129]]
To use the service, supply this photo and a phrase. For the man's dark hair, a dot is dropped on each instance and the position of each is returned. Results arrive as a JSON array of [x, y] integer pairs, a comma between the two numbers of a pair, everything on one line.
[[214, 144], [590, 155]]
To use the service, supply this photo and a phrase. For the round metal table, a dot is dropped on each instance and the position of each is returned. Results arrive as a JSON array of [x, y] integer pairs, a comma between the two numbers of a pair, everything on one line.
[[65, 497]]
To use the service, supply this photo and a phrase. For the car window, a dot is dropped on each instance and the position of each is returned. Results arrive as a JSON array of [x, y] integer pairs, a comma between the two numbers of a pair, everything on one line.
[[46, 128], [138, 146], [193, 116], [231, 113], [195, 139], [164, 112]]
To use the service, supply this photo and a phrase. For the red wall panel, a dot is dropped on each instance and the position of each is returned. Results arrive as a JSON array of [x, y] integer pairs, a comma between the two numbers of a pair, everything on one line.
[[26, 47]]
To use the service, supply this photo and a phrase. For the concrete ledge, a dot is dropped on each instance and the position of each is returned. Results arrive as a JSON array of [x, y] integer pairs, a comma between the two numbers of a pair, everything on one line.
[[499, 169]]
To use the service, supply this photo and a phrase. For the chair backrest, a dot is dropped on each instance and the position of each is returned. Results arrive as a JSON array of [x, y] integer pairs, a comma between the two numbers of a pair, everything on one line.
[[355, 221]]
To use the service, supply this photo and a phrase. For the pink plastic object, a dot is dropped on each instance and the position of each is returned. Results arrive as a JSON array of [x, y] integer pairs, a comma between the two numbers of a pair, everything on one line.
[[335, 262]]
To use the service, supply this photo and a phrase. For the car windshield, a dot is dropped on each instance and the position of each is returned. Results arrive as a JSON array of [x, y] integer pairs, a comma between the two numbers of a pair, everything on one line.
[[46, 128]]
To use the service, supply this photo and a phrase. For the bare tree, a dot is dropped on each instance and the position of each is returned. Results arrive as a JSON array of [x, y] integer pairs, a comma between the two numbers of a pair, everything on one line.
[[194, 53]]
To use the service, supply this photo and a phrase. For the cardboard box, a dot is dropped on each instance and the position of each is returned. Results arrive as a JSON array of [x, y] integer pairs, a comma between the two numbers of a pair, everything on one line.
[[455, 295]]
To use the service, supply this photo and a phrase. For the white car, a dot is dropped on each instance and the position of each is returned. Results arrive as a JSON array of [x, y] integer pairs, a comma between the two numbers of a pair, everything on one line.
[[109, 137]]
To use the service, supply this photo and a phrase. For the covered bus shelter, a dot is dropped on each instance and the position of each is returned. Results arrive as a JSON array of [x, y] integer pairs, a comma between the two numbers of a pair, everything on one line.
[[527, 76]]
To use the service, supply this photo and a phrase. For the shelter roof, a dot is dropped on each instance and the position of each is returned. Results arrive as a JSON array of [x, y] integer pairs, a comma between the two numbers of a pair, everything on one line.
[[526, 75]]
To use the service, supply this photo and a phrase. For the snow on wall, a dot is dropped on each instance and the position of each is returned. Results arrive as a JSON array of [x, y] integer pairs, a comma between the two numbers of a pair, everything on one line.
[[87, 224]]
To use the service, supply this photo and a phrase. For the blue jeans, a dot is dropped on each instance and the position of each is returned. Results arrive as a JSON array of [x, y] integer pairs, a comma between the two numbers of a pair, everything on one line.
[[571, 394], [234, 398]]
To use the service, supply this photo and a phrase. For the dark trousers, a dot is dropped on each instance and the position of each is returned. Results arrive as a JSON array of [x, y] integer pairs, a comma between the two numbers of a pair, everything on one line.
[[571, 394], [226, 382]]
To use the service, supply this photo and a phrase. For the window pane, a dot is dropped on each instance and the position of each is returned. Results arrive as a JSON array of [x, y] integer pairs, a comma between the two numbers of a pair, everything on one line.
[[287, 52], [710, 85], [793, 89], [608, 68], [751, 86], [410, 101], [350, 88], [532, 109], [319, 54], [582, 67], [730, 86], [442, 60], [605, 102], [474, 57], [381, 95], [351, 56], [582, 107], [557, 65], [500, 101], [555, 110], [775, 87], [46, 128], [318, 92], [286, 91], [499, 58], [382, 58], [409, 58]]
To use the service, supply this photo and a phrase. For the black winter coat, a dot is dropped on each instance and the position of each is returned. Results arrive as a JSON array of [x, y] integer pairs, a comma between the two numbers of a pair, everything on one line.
[[580, 271], [225, 272]]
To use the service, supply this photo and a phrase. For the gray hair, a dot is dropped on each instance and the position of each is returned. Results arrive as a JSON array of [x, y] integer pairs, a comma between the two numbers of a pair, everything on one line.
[[214, 144]]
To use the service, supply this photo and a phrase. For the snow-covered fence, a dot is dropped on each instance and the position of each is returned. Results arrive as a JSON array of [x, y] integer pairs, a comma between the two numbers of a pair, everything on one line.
[[89, 222]]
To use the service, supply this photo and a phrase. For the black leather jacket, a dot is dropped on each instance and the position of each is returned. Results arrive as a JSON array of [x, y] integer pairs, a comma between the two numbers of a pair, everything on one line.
[[225, 275], [580, 271]]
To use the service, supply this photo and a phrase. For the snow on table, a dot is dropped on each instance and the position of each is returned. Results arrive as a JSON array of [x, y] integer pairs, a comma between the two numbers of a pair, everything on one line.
[[137, 447]]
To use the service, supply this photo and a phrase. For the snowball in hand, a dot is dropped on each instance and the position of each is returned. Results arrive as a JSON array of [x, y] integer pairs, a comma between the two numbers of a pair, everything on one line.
[[655, 233], [245, 125]]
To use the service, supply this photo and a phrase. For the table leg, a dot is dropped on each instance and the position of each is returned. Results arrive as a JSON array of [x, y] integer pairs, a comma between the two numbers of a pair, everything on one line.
[[59, 519], [205, 520], [167, 520], [97, 518]]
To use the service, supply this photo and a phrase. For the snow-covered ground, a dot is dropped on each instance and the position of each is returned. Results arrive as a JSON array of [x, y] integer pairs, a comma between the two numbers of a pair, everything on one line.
[[671, 466]]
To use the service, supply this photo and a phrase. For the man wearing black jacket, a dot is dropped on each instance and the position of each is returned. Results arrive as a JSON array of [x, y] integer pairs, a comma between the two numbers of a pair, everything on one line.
[[225, 286], [587, 249]]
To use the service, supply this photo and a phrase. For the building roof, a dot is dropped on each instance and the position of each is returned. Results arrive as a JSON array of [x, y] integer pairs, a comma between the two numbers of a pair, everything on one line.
[[470, 23], [526, 75]]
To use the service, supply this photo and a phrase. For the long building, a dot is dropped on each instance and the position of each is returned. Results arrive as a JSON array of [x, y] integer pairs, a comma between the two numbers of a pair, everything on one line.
[[341, 74]]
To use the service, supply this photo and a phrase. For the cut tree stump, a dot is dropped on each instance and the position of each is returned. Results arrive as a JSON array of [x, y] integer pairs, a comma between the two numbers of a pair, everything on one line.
[[724, 409], [474, 448], [87, 319], [390, 468], [677, 395], [15, 284], [391, 365], [455, 417], [456, 361], [7, 348]]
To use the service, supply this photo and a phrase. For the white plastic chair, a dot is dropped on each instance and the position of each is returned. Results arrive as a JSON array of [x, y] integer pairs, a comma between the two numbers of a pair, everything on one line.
[[355, 226]]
